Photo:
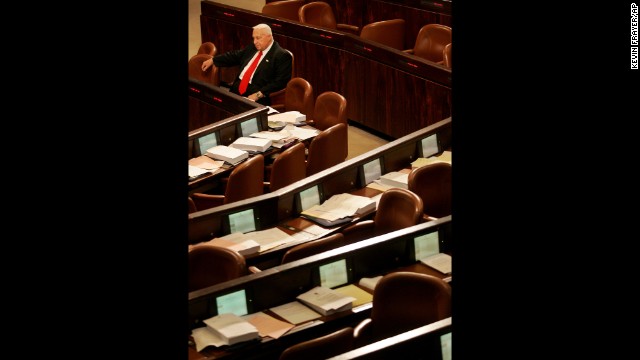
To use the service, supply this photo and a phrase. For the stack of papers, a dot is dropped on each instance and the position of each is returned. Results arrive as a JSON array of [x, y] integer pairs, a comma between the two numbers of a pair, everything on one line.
[[228, 154], [395, 179], [224, 329], [439, 261], [325, 300], [338, 207], [243, 246], [444, 157], [370, 283], [254, 144], [292, 117]]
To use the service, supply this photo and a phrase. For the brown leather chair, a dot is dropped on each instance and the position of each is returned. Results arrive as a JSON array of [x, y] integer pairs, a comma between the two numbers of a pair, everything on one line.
[[314, 247], [288, 167], [397, 209], [433, 184], [403, 301], [446, 56], [328, 148], [210, 265], [211, 75], [330, 108], [287, 9], [192, 206], [298, 96], [319, 13], [309, 248], [322, 347], [386, 32], [208, 48], [245, 181], [430, 42]]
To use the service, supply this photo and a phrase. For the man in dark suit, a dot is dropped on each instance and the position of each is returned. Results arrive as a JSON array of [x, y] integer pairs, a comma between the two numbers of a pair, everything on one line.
[[272, 70]]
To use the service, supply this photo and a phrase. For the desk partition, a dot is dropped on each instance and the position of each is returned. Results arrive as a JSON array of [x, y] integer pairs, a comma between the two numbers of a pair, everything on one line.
[[280, 285], [388, 91], [350, 176], [213, 109], [432, 341]]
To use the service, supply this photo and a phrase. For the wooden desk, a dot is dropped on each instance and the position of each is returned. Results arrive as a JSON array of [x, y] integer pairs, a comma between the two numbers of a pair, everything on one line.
[[279, 207], [279, 285]]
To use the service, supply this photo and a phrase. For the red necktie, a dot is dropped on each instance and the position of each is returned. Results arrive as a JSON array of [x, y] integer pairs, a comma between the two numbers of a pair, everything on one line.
[[247, 75]]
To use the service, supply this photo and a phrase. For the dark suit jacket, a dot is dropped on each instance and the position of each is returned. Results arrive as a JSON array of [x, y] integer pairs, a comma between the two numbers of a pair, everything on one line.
[[273, 73]]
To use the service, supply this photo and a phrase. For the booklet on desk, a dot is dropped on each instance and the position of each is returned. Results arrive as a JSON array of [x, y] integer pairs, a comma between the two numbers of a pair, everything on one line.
[[228, 154], [292, 117], [439, 261], [340, 209], [232, 328], [254, 144], [325, 300], [395, 179]]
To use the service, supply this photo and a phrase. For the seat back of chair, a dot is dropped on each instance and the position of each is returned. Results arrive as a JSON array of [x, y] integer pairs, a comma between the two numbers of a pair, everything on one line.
[[287, 9], [386, 32], [432, 183], [406, 300], [209, 76], [322, 347], [288, 167], [397, 209], [299, 96], [446, 56], [208, 48], [317, 13], [210, 265], [314, 247], [431, 40], [330, 108], [327, 149], [246, 180]]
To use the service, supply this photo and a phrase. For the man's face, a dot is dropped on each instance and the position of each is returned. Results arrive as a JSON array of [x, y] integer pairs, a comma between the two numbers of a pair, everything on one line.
[[261, 39]]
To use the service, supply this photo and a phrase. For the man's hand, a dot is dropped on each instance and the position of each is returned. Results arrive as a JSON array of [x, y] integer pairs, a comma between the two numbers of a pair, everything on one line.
[[207, 64]]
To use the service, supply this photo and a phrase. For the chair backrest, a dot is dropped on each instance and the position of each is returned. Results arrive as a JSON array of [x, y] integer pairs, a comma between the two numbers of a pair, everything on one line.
[[288, 167], [386, 32], [210, 265], [317, 13], [322, 347], [314, 247], [431, 40], [433, 184], [192, 206], [330, 108], [299, 96], [406, 300], [327, 149], [446, 55], [246, 180], [208, 48], [210, 76], [397, 209], [287, 9]]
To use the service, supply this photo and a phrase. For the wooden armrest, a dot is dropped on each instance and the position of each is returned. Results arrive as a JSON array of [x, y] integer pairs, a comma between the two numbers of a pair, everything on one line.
[[348, 28], [206, 201], [266, 186], [362, 330], [408, 51], [253, 269]]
